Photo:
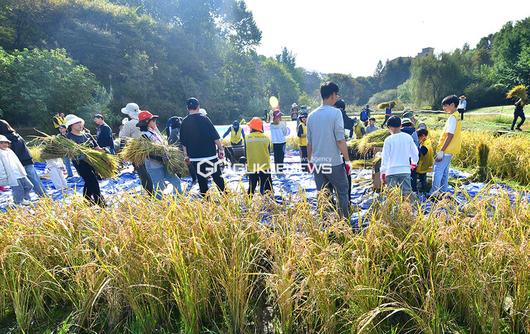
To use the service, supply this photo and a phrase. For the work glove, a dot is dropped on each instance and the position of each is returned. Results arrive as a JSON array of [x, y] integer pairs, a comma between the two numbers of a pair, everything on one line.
[[413, 166], [439, 156], [347, 166], [310, 167], [221, 154]]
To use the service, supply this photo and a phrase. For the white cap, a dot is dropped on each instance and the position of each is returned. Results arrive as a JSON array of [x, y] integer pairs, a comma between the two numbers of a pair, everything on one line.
[[3, 139], [72, 119]]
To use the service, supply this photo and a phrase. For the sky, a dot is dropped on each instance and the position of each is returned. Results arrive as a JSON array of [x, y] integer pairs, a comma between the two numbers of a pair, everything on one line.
[[351, 36]]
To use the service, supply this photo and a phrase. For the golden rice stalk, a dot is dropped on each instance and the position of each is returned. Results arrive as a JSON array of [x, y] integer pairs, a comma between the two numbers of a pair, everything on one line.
[[139, 149], [36, 152], [518, 91]]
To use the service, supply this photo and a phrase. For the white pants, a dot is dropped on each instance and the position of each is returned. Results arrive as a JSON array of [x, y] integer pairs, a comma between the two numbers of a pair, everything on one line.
[[56, 175]]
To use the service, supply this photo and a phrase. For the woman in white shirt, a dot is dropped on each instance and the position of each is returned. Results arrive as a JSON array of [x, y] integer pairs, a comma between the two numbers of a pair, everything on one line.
[[12, 173], [279, 132]]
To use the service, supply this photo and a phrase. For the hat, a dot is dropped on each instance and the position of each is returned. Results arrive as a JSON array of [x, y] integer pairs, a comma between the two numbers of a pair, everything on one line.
[[394, 122], [203, 112], [340, 104], [235, 123], [256, 124], [277, 113], [145, 116], [72, 119], [406, 121], [98, 116], [3, 139], [422, 126], [294, 105], [130, 108], [192, 103], [303, 114]]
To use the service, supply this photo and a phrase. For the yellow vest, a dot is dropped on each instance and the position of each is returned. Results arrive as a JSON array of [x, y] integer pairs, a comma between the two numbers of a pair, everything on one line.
[[302, 141], [427, 160], [358, 130], [258, 156], [456, 142], [236, 136]]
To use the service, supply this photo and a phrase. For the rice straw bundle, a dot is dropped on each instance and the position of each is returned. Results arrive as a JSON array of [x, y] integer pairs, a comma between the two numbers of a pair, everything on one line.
[[371, 140], [385, 105], [137, 150], [58, 147], [518, 91]]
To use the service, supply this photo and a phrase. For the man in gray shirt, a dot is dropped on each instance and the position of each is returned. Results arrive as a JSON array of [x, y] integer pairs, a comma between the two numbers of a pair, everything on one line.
[[325, 144]]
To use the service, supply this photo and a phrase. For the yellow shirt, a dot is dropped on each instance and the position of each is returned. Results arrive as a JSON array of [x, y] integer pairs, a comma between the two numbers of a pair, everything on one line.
[[358, 129], [236, 136], [302, 140], [426, 161], [258, 156], [456, 142]]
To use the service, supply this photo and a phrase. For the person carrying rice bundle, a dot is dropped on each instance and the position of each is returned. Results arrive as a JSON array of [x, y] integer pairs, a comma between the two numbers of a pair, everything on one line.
[[76, 133], [154, 164]]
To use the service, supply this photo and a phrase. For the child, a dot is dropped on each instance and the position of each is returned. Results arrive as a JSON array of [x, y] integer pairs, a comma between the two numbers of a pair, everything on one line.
[[12, 173], [302, 139], [371, 125], [279, 132], [400, 154], [258, 157], [426, 159], [155, 164], [358, 129], [449, 144], [55, 169]]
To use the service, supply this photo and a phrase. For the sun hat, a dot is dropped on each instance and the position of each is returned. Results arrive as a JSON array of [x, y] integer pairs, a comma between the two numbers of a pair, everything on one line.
[[256, 124], [72, 119], [406, 121], [130, 108], [3, 139], [144, 117]]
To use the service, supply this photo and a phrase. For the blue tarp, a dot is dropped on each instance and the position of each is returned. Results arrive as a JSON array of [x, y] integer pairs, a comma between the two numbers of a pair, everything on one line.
[[291, 182]]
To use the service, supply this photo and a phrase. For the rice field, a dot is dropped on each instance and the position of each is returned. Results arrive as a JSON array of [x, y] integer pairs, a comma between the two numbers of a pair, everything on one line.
[[216, 266]]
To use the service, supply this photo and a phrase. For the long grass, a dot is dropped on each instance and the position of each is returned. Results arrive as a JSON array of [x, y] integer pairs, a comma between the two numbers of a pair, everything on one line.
[[191, 266]]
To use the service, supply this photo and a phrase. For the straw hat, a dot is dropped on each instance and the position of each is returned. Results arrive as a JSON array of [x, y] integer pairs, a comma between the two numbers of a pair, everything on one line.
[[72, 119]]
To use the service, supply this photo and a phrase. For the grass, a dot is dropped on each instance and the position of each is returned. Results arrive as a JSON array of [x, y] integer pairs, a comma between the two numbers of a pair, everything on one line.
[[186, 266]]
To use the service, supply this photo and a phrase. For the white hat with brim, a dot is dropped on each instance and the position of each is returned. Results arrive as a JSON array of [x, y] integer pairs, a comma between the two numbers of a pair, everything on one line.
[[130, 108], [203, 112], [72, 119], [3, 139]]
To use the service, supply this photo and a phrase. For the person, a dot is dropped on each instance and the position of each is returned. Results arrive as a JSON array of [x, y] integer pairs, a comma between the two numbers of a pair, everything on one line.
[[58, 120], [76, 132], [202, 146], [66, 161], [156, 169], [365, 115], [294, 112], [279, 132], [388, 114], [518, 113], [258, 158], [173, 130], [302, 139], [131, 131], [55, 169], [371, 125], [358, 129], [12, 173], [425, 162], [399, 156], [408, 127], [237, 134], [348, 122], [462, 105], [449, 145], [325, 143], [104, 134], [18, 145]]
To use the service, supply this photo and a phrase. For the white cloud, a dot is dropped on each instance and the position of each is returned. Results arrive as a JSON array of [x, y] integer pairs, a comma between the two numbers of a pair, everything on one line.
[[351, 36]]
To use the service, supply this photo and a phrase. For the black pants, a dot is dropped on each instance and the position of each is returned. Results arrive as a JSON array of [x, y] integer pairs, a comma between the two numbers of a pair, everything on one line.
[[91, 190], [386, 119], [265, 182], [516, 115], [303, 158], [423, 182], [193, 172], [145, 179], [204, 171], [461, 111], [279, 155]]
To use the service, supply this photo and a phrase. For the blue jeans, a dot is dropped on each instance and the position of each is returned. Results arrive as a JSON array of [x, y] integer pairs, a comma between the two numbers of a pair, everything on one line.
[[440, 179], [21, 191], [159, 176], [68, 165], [35, 180], [402, 181]]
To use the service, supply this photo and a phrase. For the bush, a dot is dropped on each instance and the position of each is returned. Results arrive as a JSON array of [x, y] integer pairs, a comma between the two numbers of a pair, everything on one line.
[[383, 96], [479, 95]]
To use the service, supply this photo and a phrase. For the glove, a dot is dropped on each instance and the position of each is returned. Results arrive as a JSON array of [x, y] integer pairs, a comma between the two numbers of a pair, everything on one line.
[[310, 167], [383, 177], [348, 167], [412, 166], [221, 154], [439, 156]]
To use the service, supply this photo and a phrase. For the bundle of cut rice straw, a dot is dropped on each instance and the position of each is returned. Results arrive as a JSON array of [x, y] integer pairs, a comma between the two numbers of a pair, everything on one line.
[[55, 147], [518, 91], [139, 149]]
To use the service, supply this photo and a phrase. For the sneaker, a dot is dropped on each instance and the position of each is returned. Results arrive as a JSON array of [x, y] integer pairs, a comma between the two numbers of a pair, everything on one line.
[[518, 129]]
